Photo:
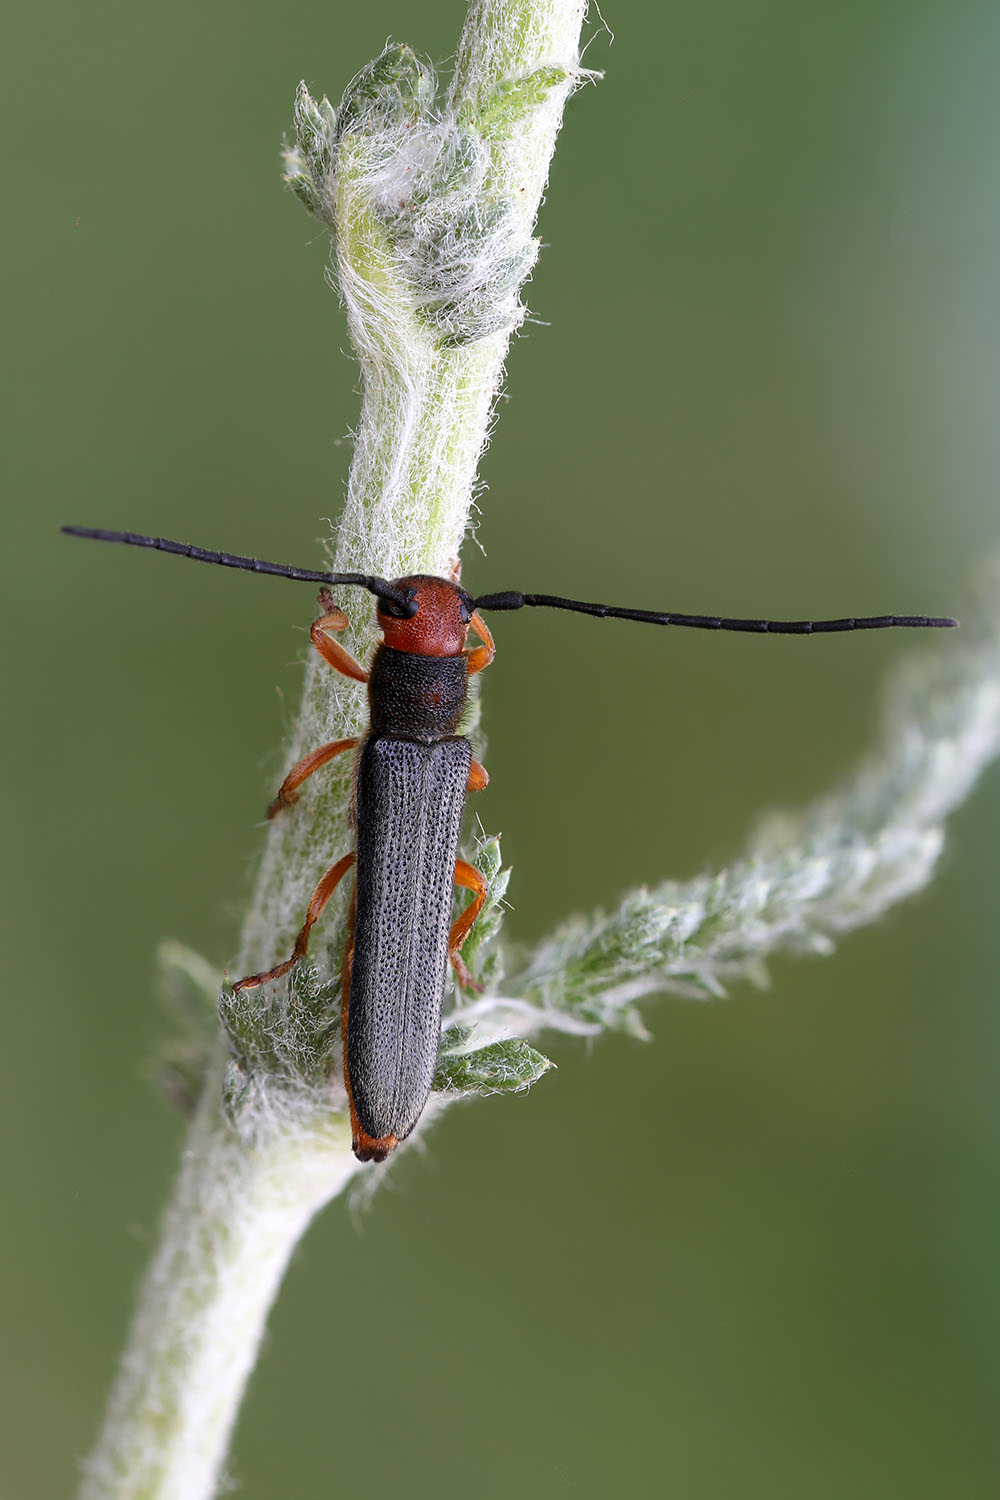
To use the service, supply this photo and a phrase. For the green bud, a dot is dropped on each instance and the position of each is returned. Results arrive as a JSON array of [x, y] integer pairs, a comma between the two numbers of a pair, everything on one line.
[[396, 87], [315, 132]]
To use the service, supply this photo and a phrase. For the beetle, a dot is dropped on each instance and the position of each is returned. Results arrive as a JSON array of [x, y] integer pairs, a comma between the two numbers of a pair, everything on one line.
[[412, 772]]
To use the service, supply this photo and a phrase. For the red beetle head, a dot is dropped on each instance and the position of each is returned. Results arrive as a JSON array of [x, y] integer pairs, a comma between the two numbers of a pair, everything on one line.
[[439, 624]]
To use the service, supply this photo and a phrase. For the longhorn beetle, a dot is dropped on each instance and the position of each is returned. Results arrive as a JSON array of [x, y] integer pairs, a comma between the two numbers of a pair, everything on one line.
[[412, 774]]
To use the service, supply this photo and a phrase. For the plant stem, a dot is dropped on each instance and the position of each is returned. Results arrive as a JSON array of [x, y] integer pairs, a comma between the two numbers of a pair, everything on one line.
[[253, 1176], [237, 1212]]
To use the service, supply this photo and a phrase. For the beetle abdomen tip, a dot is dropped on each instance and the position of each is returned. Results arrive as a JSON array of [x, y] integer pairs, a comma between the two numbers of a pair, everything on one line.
[[368, 1149]]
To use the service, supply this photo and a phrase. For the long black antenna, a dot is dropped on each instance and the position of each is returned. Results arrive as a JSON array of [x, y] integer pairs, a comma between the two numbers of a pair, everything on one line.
[[513, 600], [377, 586]]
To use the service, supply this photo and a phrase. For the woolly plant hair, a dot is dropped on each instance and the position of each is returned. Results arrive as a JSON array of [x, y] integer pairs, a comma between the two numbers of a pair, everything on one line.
[[431, 199], [430, 196]]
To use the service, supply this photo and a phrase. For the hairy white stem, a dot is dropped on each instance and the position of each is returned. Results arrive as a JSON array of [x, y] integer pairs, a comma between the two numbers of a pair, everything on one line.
[[432, 209], [431, 205], [432, 216], [237, 1212]]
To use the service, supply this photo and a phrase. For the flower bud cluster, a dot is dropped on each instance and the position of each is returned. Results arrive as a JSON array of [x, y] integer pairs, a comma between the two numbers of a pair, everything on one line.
[[424, 180]]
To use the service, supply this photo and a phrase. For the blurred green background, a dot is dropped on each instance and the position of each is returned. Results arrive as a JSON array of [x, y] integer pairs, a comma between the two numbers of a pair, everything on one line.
[[756, 1258]]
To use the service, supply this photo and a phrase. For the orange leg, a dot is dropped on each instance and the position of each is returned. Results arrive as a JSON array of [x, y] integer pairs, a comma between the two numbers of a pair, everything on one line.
[[478, 777], [482, 655], [288, 791], [333, 652], [318, 900], [469, 878]]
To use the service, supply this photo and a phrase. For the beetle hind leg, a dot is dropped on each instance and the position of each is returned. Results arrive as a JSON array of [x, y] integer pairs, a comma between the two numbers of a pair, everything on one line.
[[470, 879], [318, 900]]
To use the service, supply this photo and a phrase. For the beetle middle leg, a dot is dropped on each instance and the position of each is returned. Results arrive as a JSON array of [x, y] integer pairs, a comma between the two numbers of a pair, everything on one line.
[[288, 791], [317, 901], [469, 878]]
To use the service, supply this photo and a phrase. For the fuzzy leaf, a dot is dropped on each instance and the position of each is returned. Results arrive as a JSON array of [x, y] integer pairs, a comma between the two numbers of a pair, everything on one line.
[[315, 131], [482, 953], [500, 1068], [396, 87], [497, 109], [310, 160], [189, 986]]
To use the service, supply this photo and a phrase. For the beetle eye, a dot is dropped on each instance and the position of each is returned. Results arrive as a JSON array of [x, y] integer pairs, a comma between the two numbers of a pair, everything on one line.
[[396, 611]]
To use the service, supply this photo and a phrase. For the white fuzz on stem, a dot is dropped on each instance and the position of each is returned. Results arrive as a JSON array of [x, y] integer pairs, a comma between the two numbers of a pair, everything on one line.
[[431, 203], [432, 206]]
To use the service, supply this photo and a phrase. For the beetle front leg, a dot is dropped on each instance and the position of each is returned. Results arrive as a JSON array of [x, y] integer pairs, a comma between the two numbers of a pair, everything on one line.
[[332, 652], [480, 656], [469, 878]]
